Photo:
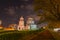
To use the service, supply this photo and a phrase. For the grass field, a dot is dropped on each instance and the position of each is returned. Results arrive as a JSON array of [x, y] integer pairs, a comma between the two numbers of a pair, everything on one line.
[[16, 35], [27, 35]]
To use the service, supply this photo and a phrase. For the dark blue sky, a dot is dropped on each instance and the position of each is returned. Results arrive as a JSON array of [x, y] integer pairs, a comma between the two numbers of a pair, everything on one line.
[[11, 10]]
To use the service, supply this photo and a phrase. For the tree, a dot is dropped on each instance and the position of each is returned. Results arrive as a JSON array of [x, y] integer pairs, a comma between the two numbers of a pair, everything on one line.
[[51, 9]]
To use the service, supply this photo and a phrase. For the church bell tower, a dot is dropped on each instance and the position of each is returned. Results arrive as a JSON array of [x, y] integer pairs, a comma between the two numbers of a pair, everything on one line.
[[21, 23]]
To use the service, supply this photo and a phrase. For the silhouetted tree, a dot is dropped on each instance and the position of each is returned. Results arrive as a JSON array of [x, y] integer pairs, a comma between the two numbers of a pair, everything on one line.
[[51, 9]]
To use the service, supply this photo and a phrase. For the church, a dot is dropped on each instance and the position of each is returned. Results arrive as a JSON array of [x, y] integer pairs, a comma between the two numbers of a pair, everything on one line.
[[30, 24]]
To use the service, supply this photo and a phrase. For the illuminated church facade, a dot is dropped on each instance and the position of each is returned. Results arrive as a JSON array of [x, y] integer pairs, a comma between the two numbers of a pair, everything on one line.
[[30, 24]]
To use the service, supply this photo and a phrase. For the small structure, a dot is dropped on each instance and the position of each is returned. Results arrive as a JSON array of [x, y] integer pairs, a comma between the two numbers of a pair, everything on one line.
[[9, 28], [29, 20], [30, 24], [13, 26], [57, 29], [27, 27], [33, 26], [1, 27]]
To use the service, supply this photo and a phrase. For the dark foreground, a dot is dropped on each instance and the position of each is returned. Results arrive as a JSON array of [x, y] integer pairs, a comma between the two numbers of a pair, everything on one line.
[[27, 35]]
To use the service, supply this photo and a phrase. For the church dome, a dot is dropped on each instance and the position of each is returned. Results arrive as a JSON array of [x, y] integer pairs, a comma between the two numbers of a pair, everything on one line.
[[21, 18]]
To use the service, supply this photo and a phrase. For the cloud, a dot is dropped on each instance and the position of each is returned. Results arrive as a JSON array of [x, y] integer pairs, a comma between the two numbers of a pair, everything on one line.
[[11, 11], [26, 0], [22, 6], [29, 7]]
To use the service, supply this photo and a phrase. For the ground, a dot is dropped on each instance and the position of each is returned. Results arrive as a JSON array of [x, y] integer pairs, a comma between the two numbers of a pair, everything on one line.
[[29, 35], [45, 35]]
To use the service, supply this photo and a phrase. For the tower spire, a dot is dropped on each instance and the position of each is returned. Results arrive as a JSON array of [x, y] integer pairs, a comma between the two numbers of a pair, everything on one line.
[[21, 23]]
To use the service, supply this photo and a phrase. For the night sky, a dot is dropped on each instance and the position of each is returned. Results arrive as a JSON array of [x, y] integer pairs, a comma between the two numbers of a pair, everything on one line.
[[11, 10]]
